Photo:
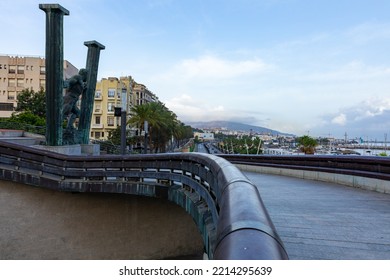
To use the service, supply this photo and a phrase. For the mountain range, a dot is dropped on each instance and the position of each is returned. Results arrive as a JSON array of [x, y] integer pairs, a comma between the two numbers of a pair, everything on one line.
[[236, 127]]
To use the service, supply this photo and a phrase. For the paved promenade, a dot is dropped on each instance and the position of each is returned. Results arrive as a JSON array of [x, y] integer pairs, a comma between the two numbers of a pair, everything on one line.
[[318, 220]]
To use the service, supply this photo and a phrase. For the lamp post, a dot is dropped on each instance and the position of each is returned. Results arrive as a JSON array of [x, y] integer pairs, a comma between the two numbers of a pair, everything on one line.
[[146, 124], [123, 120]]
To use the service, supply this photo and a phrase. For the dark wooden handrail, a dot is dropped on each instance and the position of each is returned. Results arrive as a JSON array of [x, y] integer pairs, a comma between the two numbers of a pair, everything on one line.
[[241, 227], [363, 166]]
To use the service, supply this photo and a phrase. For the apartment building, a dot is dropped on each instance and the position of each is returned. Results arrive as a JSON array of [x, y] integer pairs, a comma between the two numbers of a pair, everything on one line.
[[18, 73], [108, 95], [143, 95]]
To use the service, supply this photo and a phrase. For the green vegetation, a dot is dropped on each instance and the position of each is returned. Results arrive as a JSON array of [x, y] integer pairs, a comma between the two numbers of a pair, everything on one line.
[[162, 125], [33, 102], [30, 113], [243, 145], [307, 144]]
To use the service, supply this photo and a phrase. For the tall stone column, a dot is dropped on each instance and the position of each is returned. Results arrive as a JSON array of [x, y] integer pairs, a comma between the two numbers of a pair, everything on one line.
[[87, 100], [54, 71]]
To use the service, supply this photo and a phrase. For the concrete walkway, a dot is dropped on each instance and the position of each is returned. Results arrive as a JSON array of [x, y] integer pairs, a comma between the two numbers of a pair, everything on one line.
[[318, 220]]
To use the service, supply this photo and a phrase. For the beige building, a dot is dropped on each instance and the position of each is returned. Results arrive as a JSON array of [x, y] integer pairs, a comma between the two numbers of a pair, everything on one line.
[[143, 95], [108, 95], [18, 73]]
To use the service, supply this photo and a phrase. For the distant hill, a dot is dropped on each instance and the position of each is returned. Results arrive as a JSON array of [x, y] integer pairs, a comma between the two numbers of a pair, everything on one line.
[[235, 126]]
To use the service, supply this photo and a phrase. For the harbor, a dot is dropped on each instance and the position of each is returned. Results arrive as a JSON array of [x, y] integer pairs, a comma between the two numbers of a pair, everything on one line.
[[364, 149]]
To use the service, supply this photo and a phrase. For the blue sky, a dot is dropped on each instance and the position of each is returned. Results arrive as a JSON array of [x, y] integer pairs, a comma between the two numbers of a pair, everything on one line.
[[305, 67]]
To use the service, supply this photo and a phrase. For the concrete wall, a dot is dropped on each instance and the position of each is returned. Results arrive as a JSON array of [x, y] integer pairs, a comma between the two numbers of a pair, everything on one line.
[[43, 224], [371, 184]]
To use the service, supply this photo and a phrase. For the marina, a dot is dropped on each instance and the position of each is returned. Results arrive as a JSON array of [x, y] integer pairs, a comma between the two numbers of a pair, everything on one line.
[[367, 149]]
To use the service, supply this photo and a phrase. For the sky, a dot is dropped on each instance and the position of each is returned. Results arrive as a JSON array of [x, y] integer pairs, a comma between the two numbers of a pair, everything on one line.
[[307, 67]]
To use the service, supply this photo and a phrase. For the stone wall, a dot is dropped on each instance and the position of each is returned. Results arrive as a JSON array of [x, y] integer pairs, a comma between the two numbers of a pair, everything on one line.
[[42, 224]]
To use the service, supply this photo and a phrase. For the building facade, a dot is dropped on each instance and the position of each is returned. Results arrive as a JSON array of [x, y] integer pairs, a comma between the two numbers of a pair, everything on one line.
[[108, 95], [20, 73], [143, 95]]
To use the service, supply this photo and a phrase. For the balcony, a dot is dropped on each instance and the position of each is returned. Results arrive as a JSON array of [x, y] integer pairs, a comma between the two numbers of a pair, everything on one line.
[[97, 126]]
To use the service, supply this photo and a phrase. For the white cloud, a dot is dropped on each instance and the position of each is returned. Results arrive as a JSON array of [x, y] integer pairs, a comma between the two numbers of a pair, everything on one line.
[[340, 119], [353, 71], [212, 67], [190, 109], [369, 117], [369, 31]]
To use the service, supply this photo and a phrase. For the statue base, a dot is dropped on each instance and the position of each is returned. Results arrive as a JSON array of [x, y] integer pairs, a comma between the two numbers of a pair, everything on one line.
[[73, 150]]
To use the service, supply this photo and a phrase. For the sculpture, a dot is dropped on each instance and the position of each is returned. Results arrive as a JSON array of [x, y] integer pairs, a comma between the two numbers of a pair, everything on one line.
[[58, 106], [76, 88]]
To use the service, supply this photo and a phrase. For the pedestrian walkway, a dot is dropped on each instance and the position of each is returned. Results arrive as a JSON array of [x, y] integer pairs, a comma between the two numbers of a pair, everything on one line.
[[318, 220]]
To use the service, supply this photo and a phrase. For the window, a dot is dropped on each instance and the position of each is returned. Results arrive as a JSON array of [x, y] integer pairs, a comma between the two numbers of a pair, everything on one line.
[[12, 69], [42, 83], [42, 70], [20, 69], [111, 92], [110, 107], [11, 82], [97, 107], [20, 82], [11, 95], [98, 94], [110, 121], [1, 66], [97, 120], [97, 135], [6, 107]]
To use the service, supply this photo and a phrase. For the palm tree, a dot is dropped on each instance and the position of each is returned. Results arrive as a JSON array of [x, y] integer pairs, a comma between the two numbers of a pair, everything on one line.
[[138, 115], [162, 123], [307, 144]]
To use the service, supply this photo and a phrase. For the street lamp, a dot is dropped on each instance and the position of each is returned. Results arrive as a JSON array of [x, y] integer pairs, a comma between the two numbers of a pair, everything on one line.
[[121, 112], [146, 124]]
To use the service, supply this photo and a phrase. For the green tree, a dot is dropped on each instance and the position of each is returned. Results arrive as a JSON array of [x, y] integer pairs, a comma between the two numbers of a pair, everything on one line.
[[162, 124], [114, 136], [31, 101], [27, 118], [307, 144]]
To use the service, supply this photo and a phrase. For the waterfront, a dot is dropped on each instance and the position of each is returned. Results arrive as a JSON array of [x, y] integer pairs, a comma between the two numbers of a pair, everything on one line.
[[367, 149]]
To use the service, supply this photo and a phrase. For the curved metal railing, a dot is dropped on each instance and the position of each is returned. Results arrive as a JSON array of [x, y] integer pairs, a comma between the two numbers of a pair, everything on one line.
[[225, 205], [362, 166]]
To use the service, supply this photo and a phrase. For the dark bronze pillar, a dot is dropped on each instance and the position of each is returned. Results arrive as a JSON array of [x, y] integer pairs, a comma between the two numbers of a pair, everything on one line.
[[88, 98], [54, 71]]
